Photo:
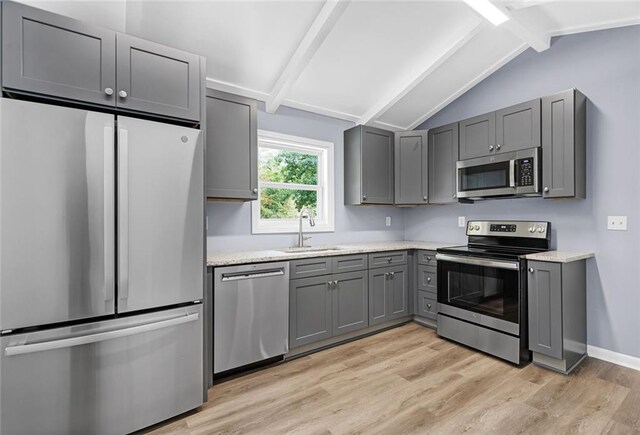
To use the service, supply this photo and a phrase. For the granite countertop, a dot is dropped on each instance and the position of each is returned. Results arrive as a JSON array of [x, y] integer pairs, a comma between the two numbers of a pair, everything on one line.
[[560, 256], [245, 257]]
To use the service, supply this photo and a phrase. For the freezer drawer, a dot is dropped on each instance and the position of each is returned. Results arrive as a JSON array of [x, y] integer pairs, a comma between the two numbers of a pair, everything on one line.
[[250, 314], [110, 377], [57, 214]]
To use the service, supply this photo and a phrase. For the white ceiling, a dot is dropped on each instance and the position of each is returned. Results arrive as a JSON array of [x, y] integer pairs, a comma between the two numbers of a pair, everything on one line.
[[385, 63]]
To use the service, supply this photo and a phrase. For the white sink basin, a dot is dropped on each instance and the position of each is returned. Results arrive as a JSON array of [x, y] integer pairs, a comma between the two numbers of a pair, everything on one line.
[[295, 249]]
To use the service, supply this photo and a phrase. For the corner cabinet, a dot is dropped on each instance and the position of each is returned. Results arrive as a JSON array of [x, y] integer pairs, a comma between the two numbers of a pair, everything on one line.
[[443, 154], [232, 147], [57, 57], [368, 166], [411, 168], [557, 313], [564, 145]]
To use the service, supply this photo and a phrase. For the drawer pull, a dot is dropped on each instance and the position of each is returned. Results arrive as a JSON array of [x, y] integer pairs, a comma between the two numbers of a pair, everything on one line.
[[428, 279]]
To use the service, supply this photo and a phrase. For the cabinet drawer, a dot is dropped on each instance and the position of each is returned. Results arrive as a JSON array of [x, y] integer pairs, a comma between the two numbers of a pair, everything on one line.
[[310, 267], [383, 259], [349, 263], [427, 305], [428, 279], [428, 258]]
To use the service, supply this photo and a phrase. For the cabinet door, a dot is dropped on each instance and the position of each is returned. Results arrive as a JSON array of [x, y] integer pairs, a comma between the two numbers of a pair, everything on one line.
[[545, 308], [378, 300], [443, 154], [156, 79], [49, 54], [478, 136], [411, 167], [309, 310], [377, 166], [350, 302], [563, 163], [398, 292], [518, 127], [232, 146]]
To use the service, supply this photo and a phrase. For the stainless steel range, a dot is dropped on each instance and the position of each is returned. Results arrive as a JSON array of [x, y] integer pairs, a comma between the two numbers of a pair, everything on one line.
[[482, 287]]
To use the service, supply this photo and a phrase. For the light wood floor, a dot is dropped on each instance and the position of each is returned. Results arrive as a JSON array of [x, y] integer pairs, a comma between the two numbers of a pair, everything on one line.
[[408, 380]]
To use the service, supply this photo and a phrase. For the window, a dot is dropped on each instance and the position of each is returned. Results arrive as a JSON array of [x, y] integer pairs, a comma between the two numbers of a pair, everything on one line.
[[293, 173]]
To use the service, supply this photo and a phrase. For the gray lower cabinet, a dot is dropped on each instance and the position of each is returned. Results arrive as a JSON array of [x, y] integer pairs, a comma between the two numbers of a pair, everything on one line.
[[389, 258], [518, 127], [310, 310], [564, 145], [411, 168], [388, 294], [368, 166], [557, 313], [478, 136], [49, 54], [232, 147], [427, 305], [443, 154], [350, 302], [157, 79]]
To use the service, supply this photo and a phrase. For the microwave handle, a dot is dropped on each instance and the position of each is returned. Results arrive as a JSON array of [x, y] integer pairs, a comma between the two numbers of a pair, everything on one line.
[[512, 173]]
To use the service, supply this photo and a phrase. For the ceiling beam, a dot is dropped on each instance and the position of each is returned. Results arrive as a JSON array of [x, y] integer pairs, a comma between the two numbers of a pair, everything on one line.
[[537, 40], [313, 39], [409, 81]]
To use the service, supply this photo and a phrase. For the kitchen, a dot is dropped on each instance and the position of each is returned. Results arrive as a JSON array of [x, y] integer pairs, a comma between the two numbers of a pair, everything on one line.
[[286, 100]]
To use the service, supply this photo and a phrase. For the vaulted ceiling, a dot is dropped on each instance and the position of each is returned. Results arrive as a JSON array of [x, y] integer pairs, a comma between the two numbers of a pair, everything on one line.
[[391, 64]]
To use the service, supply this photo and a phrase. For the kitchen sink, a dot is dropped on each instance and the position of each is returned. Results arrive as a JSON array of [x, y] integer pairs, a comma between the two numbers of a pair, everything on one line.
[[296, 249]]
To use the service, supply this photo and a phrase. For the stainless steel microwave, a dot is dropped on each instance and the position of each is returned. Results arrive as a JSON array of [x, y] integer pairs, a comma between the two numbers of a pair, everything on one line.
[[516, 173]]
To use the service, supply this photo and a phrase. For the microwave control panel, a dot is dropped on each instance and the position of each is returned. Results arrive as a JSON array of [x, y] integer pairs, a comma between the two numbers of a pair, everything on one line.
[[525, 171]]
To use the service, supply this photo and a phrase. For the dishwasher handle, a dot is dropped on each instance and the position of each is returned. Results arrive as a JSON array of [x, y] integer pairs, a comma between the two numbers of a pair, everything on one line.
[[238, 276]]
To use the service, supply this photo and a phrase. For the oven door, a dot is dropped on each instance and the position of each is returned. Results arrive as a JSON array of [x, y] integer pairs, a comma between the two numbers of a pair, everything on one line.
[[488, 287]]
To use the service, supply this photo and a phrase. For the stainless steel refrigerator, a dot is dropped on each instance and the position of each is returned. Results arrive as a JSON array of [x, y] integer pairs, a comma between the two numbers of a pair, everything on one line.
[[101, 270]]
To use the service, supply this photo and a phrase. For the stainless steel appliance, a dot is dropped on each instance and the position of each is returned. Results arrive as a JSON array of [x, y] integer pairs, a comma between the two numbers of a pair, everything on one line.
[[250, 314], [100, 286], [482, 287], [502, 175]]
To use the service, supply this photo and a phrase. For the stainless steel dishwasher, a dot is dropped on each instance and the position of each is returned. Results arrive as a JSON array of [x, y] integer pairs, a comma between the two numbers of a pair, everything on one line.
[[250, 314]]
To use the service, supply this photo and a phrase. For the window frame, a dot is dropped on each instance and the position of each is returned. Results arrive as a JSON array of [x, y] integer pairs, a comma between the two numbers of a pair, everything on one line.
[[325, 221]]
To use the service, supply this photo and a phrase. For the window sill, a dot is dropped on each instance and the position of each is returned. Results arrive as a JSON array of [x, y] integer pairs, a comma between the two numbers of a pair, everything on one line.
[[287, 229]]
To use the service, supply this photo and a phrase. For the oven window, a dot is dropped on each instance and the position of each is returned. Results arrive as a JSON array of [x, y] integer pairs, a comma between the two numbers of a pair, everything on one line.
[[485, 290], [490, 176]]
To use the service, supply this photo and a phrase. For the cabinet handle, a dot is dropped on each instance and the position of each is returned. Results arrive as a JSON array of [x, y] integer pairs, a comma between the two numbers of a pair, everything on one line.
[[364, 197], [454, 196], [392, 274], [389, 259], [424, 198], [429, 279], [255, 190], [546, 189], [428, 258], [531, 270], [498, 147], [490, 147], [429, 306], [108, 91], [123, 94]]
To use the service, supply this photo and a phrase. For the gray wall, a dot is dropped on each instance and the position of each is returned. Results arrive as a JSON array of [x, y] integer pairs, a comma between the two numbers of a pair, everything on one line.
[[230, 223], [605, 66]]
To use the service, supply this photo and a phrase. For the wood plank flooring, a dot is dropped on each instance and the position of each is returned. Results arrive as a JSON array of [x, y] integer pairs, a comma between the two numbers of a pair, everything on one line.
[[408, 380]]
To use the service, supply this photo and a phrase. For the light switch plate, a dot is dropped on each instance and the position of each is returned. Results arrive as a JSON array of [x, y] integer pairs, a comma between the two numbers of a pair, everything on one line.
[[388, 221], [462, 221], [617, 223]]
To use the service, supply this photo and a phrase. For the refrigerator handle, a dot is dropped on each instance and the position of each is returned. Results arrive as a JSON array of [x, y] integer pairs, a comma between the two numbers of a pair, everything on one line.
[[123, 213], [109, 213], [101, 336]]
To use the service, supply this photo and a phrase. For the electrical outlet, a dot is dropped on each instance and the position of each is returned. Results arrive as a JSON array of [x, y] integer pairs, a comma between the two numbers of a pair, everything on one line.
[[388, 221], [617, 223], [462, 221]]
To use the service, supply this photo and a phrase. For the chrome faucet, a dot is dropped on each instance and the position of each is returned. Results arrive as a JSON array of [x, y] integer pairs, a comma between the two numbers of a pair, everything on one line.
[[304, 213]]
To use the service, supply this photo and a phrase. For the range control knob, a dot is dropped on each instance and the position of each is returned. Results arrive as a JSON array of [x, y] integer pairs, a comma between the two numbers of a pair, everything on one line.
[[532, 229], [477, 228], [541, 230]]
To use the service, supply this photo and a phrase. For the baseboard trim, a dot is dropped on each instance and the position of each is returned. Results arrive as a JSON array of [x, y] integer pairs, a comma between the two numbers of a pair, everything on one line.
[[620, 359]]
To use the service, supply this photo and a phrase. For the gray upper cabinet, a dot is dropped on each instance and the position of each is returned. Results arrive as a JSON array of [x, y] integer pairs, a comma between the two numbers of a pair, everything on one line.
[[564, 145], [368, 166], [156, 79], [45, 53], [350, 302], [232, 147], [478, 136], [443, 154], [310, 310], [411, 169], [518, 127]]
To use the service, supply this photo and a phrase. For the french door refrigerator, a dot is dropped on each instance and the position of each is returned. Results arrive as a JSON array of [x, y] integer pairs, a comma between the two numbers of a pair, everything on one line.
[[101, 270]]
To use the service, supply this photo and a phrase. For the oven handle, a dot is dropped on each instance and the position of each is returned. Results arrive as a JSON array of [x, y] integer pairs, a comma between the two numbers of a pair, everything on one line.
[[479, 261]]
